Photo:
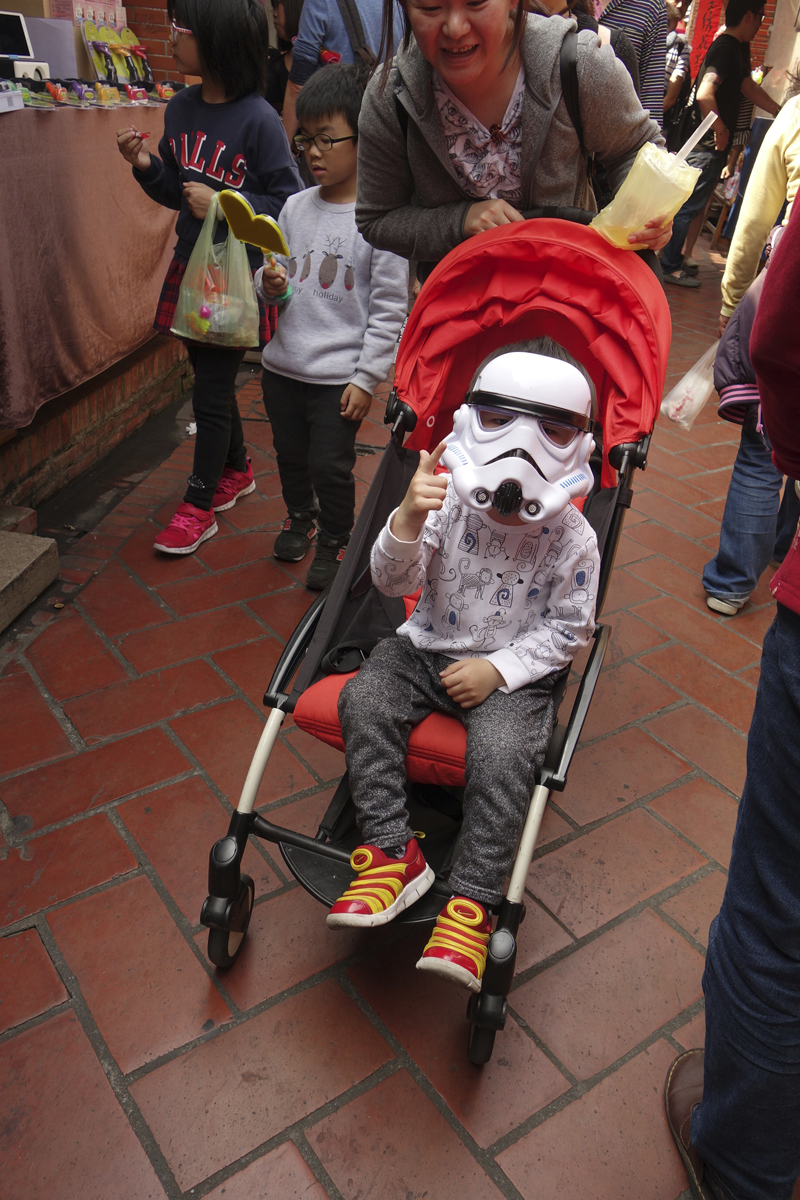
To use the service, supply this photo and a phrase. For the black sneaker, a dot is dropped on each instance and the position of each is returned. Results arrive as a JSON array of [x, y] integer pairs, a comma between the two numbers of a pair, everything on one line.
[[295, 539], [328, 555]]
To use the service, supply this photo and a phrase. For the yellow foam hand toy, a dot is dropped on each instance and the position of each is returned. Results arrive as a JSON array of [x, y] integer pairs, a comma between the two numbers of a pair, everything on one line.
[[258, 230]]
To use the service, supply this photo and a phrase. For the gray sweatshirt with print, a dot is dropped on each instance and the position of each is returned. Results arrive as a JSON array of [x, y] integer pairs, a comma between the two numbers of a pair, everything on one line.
[[409, 198], [348, 300]]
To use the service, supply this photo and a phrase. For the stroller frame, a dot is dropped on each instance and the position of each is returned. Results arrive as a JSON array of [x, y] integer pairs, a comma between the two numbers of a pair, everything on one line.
[[322, 863]]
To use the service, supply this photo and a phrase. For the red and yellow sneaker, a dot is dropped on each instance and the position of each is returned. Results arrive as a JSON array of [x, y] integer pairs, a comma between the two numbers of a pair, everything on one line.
[[457, 947], [383, 887]]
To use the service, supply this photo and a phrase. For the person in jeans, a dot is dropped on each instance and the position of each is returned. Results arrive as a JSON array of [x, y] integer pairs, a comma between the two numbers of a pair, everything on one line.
[[343, 305], [757, 524], [722, 81], [734, 1110]]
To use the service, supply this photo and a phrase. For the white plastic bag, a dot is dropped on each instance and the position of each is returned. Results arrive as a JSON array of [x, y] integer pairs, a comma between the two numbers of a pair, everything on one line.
[[687, 399]]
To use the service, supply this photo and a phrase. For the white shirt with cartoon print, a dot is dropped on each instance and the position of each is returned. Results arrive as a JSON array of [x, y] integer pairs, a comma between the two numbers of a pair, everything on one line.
[[523, 596], [348, 301]]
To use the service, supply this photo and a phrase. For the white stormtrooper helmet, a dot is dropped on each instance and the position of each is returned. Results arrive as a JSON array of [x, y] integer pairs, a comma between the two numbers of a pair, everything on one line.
[[521, 442]]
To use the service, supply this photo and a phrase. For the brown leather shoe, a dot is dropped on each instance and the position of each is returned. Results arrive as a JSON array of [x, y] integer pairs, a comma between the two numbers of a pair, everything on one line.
[[683, 1092]]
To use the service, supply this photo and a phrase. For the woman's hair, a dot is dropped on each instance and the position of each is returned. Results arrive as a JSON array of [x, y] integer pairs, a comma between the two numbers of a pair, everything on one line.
[[335, 89], [291, 20], [232, 41], [389, 35], [548, 348]]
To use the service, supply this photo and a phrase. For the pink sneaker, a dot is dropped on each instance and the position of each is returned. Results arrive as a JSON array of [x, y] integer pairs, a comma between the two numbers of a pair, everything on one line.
[[188, 528], [232, 486]]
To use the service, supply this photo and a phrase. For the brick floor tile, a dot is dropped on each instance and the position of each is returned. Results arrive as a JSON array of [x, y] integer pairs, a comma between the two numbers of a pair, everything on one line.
[[696, 906], [599, 876], [715, 431], [68, 1136], [624, 591], [280, 1175], [704, 814], [225, 587], [669, 437], [539, 937], [709, 458], [154, 568], [630, 636], [251, 666], [517, 1082], [61, 864], [692, 1034], [752, 623], [29, 983], [260, 434], [287, 942], [326, 760], [615, 772], [257, 510], [236, 549], [684, 550], [668, 461], [688, 521], [224, 739], [283, 611], [714, 483], [751, 676], [706, 742], [146, 990], [624, 694], [31, 734], [629, 551], [156, 697], [664, 484], [224, 1098], [393, 1143], [189, 638], [611, 1144], [704, 683], [77, 784], [303, 815], [708, 636], [673, 579], [593, 1007], [176, 827], [71, 659], [118, 605], [712, 508]]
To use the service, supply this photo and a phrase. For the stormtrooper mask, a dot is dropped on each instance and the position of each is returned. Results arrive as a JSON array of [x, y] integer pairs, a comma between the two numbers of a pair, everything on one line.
[[521, 441]]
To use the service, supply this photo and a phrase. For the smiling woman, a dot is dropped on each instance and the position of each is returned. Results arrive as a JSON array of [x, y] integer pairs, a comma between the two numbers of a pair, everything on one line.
[[466, 128]]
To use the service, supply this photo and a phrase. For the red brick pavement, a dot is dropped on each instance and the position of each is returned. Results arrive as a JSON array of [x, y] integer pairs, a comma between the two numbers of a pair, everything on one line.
[[322, 1064]]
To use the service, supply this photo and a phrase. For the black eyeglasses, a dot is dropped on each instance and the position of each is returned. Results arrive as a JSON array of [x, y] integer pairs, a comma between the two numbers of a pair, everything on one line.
[[321, 140]]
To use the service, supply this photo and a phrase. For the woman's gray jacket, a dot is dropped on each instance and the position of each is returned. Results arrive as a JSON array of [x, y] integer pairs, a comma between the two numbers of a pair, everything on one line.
[[409, 198]]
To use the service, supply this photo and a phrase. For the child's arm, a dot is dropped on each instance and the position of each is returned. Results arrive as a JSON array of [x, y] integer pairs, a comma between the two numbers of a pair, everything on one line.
[[271, 279], [388, 305], [403, 549], [274, 167], [159, 177]]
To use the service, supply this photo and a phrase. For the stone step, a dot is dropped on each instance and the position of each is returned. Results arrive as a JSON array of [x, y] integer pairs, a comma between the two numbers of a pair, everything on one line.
[[28, 565]]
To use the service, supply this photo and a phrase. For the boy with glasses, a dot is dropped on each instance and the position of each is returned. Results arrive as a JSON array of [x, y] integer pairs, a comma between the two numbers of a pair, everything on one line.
[[343, 304]]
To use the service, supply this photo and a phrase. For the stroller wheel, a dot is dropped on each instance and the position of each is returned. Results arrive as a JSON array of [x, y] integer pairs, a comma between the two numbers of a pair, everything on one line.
[[224, 944], [480, 1045]]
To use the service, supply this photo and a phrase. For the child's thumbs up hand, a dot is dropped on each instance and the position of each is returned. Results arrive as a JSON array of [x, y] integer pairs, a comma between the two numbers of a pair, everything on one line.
[[425, 494]]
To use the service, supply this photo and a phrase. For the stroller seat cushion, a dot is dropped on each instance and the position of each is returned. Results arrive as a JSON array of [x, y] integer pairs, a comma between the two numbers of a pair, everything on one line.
[[436, 747]]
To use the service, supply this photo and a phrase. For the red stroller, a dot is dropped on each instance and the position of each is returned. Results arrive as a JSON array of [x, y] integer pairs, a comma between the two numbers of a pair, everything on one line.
[[608, 309]]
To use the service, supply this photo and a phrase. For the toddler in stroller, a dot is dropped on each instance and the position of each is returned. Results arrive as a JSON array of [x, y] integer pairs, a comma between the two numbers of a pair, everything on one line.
[[544, 278], [505, 563]]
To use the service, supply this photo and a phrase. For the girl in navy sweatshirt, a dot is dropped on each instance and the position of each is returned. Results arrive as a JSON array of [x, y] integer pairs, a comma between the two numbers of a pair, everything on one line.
[[218, 134]]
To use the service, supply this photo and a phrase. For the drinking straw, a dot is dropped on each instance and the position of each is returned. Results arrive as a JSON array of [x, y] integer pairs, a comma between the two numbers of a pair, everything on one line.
[[702, 129]]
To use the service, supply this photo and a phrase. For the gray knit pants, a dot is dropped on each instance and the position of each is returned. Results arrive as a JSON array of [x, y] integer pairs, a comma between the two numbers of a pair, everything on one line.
[[507, 736]]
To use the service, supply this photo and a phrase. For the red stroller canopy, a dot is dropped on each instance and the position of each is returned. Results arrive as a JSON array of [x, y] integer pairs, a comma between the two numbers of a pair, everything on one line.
[[546, 276]]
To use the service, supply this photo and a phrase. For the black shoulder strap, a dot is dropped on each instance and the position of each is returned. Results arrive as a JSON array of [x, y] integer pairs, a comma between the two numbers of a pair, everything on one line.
[[355, 32], [568, 64]]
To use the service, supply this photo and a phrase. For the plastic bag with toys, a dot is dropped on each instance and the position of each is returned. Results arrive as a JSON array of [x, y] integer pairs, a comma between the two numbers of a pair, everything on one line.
[[217, 304]]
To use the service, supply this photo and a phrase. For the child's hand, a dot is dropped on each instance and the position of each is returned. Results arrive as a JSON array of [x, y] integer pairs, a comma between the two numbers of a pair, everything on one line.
[[355, 403], [425, 494], [273, 279], [470, 681], [198, 197], [131, 147]]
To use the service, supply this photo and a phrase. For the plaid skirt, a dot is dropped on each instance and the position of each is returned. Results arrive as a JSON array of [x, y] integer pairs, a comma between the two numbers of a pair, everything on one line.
[[168, 304]]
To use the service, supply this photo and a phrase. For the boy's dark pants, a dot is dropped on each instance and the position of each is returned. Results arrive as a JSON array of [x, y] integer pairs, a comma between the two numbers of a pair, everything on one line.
[[219, 441], [316, 449], [507, 736]]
